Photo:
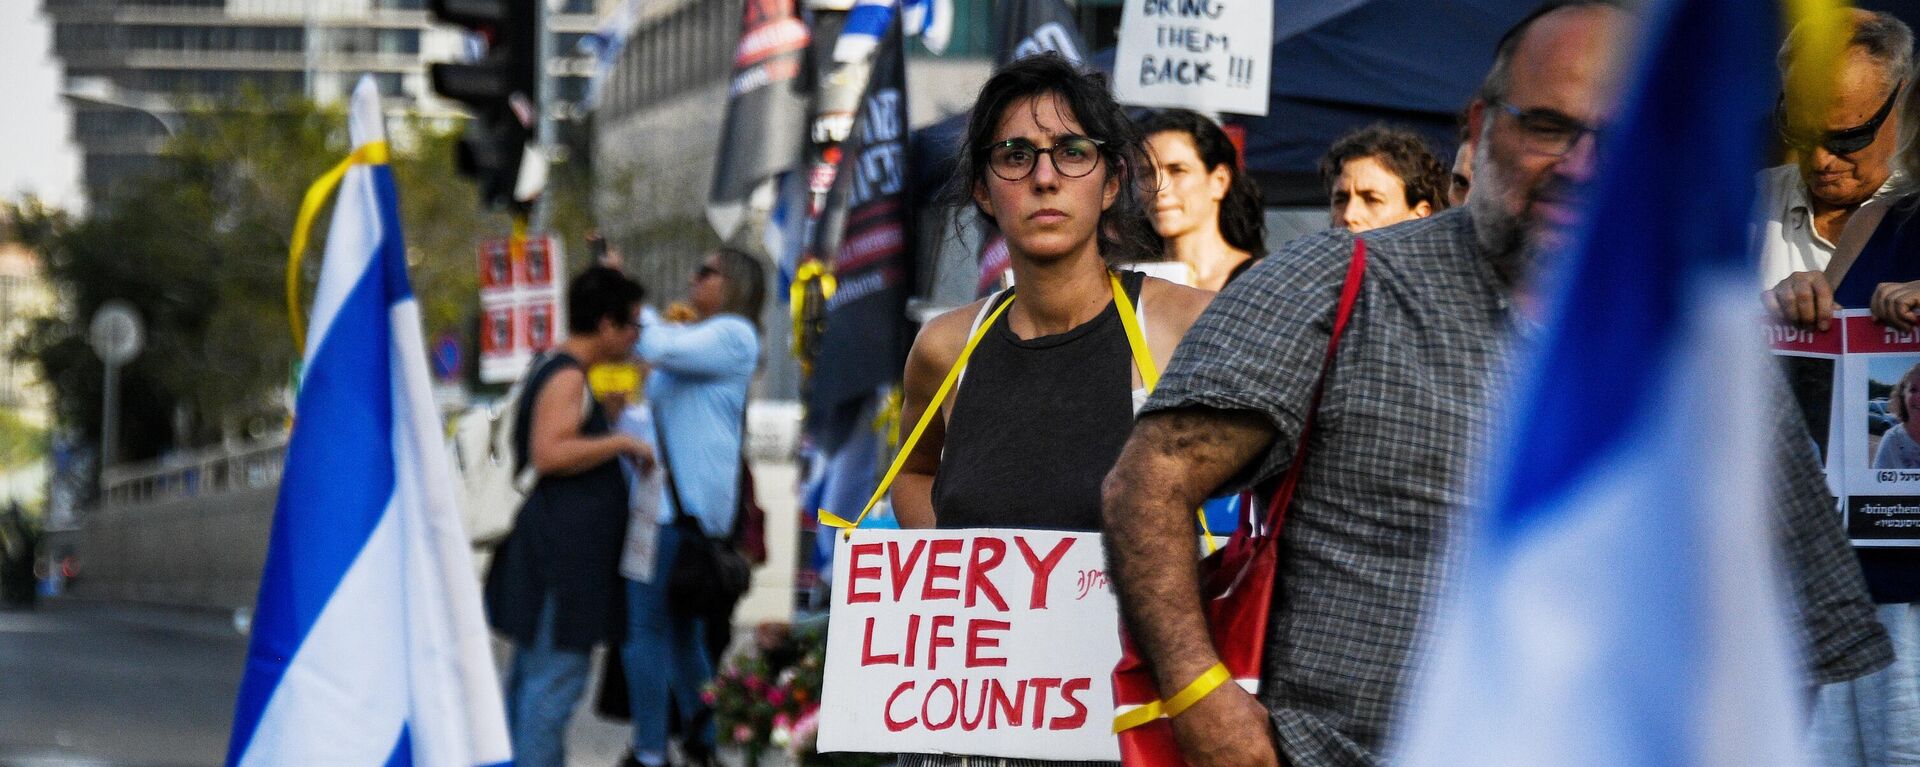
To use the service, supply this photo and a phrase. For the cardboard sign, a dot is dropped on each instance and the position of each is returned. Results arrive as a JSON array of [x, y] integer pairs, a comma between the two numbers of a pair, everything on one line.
[[979, 642], [1852, 384], [1204, 55], [520, 305]]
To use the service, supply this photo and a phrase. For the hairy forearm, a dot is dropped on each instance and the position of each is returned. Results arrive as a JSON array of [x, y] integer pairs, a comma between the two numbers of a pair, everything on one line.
[[1168, 467], [1152, 560]]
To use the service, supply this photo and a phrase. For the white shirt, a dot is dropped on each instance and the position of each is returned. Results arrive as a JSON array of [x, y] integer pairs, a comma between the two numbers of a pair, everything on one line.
[[1789, 242]]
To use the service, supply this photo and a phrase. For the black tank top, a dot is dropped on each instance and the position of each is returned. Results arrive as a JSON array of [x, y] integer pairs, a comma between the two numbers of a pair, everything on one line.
[[1036, 426]]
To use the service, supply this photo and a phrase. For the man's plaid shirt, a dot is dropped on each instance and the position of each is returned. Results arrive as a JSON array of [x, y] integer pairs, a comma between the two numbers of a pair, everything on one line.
[[1404, 419]]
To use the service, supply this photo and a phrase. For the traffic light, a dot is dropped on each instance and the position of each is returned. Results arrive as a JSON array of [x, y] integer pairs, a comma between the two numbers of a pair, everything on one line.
[[499, 89]]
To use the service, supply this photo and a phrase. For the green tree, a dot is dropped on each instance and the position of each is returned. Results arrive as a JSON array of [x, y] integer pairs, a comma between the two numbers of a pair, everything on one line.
[[199, 247]]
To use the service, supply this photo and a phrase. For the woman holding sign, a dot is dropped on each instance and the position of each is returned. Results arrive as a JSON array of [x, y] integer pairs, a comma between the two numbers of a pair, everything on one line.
[[1053, 368]]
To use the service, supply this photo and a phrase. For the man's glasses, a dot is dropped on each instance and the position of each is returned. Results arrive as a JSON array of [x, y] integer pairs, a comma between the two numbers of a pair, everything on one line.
[[1015, 158], [1839, 142], [1544, 131], [705, 271]]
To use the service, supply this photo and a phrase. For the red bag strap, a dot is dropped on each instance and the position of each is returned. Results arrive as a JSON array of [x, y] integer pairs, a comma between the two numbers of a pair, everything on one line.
[[1283, 491]]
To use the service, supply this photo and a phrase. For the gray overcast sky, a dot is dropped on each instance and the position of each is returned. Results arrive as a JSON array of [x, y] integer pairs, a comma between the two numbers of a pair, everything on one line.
[[35, 152]]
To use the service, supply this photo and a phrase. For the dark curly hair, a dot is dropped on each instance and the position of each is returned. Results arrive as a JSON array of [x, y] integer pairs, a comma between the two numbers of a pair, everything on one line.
[[1243, 216], [1402, 151], [1125, 233]]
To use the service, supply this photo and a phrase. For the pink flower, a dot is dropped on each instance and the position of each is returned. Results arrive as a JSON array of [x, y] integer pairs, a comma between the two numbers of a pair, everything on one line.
[[776, 696], [707, 696], [742, 733], [782, 721]]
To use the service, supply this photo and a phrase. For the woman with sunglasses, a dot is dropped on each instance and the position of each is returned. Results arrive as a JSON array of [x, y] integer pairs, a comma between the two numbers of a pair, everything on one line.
[[701, 368]]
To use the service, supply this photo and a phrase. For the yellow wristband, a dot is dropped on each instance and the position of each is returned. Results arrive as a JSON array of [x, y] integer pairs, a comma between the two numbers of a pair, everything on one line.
[[1200, 687]]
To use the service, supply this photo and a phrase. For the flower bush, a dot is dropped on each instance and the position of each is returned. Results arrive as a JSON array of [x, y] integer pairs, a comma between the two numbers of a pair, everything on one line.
[[768, 696]]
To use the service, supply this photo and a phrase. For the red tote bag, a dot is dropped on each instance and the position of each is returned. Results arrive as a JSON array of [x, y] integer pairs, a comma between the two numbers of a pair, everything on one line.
[[1236, 587]]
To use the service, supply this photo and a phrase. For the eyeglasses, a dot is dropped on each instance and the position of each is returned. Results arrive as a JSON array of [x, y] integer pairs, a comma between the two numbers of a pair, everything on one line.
[[1544, 131], [1840, 142], [705, 271], [1015, 158]]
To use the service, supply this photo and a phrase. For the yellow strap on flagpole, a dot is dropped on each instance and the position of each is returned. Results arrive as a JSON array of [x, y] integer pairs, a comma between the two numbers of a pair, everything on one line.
[[370, 153], [811, 270], [1149, 375]]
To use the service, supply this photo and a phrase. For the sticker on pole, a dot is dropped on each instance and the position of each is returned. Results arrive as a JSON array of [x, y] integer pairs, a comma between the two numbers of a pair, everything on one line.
[[1204, 55], [983, 642]]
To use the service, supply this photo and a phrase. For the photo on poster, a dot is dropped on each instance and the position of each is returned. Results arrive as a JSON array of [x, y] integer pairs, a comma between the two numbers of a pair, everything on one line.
[[1892, 412]]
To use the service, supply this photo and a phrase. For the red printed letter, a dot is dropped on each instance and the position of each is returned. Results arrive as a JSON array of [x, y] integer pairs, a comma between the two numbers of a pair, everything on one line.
[[953, 711], [913, 637], [1040, 688], [896, 725], [979, 709], [903, 571], [856, 573], [867, 658], [936, 571], [1014, 706], [975, 641], [1078, 718], [937, 640], [978, 567], [1042, 567]]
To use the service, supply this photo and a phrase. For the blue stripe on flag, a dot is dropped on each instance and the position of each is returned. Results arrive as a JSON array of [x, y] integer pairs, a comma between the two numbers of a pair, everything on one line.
[[333, 490], [402, 755], [1614, 314], [392, 253]]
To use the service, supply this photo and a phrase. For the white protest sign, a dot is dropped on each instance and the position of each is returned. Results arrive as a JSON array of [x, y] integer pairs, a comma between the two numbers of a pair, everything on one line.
[[978, 642], [1205, 55], [1861, 381]]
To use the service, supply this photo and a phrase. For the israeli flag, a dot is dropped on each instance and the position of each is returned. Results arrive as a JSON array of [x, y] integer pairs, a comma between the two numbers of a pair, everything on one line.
[[1619, 602], [867, 20], [369, 646]]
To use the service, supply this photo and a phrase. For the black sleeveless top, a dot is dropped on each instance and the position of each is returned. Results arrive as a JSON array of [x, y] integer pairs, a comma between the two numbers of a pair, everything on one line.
[[1037, 424], [565, 543]]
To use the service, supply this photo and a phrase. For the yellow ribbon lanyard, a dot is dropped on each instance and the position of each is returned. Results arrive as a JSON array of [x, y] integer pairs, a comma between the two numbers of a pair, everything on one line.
[[370, 153], [1207, 682], [1142, 359]]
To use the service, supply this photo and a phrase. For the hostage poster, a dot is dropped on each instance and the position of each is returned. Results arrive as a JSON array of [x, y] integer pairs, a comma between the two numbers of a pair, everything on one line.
[[1858, 384]]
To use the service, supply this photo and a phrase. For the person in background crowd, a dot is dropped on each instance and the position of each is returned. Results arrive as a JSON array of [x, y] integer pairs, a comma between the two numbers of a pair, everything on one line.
[[701, 369], [1413, 394], [554, 586], [1875, 264], [1050, 391], [1380, 176], [1843, 154], [1461, 180], [1206, 210], [1900, 447]]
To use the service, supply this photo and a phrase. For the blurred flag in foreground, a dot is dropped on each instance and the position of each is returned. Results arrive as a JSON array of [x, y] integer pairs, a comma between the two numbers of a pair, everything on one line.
[[929, 20], [1619, 602], [369, 647]]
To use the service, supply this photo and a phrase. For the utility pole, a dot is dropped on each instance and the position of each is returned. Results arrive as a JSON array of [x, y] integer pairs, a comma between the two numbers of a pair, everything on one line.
[[543, 106]]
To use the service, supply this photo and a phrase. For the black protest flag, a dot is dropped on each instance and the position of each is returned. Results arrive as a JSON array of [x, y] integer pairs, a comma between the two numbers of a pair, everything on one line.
[[767, 107], [1027, 27], [866, 233]]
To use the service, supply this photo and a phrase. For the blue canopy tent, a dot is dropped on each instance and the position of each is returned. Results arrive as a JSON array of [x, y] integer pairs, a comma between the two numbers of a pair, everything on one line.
[[1338, 65]]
